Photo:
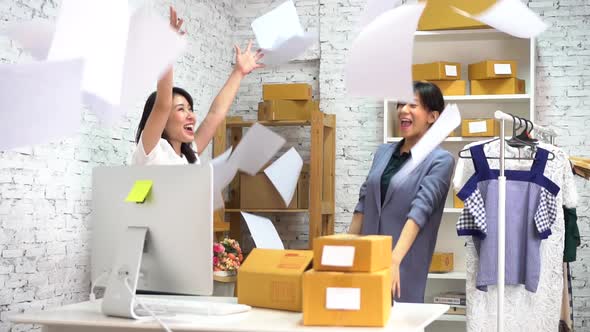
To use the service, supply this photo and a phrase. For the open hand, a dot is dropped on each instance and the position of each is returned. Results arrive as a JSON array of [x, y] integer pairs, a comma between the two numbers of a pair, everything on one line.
[[175, 21], [247, 61]]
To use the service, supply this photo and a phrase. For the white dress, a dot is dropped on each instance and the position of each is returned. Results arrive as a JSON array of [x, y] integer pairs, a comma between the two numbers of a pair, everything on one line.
[[523, 310], [161, 154]]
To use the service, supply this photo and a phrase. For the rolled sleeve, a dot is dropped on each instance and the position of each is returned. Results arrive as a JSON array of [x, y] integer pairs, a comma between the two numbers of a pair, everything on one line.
[[433, 189]]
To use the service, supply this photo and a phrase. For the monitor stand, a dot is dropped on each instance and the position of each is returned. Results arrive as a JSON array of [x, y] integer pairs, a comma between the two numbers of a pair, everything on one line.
[[118, 298]]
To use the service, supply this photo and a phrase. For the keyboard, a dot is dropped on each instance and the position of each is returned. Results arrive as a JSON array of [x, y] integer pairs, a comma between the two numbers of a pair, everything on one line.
[[179, 306]]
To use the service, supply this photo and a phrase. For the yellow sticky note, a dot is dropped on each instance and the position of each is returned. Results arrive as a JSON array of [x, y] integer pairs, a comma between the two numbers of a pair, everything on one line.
[[139, 192]]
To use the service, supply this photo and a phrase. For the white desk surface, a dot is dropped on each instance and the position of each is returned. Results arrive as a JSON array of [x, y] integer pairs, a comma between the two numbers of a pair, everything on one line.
[[405, 317]]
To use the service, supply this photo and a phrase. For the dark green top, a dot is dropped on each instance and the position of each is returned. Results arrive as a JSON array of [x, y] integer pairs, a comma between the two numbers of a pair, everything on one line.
[[572, 235], [393, 166]]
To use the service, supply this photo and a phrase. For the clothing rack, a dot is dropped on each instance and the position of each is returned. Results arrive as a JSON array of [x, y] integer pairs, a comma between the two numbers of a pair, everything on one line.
[[503, 117]]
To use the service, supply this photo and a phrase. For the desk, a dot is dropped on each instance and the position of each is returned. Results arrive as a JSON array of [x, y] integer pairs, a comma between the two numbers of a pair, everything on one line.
[[87, 317]]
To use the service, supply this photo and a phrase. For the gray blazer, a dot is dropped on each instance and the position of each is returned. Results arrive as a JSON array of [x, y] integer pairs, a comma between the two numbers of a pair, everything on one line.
[[421, 197]]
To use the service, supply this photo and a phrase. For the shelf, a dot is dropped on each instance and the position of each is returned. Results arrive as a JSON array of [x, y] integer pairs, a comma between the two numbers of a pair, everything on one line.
[[456, 275], [267, 210], [284, 123], [462, 35], [491, 98], [449, 139], [452, 318], [453, 210]]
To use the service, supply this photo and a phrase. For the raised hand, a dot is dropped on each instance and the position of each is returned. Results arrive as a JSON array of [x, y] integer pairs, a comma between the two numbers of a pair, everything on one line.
[[175, 22], [247, 61]]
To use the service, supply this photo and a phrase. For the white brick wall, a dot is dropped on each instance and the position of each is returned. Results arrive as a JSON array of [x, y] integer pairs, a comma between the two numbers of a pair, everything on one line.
[[45, 190]]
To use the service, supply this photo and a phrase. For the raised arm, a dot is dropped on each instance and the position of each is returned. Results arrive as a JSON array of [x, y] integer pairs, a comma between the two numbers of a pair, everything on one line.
[[246, 62], [156, 122]]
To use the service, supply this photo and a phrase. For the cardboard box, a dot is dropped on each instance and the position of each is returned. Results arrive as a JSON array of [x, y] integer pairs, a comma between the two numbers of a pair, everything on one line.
[[271, 278], [257, 192], [501, 86], [303, 188], [457, 202], [452, 88], [492, 69], [479, 128], [438, 15], [352, 253], [346, 299], [273, 110], [441, 262], [436, 71], [294, 91]]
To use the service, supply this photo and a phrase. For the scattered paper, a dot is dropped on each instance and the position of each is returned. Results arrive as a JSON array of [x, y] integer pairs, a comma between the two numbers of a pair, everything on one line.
[[280, 35], [82, 32], [222, 158], [380, 61], [263, 232], [33, 108], [255, 149], [374, 8], [338, 298], [223, 174], [341, 256], [284, 174], [33, 36], [510, 16], [152, 47], [449, 119]]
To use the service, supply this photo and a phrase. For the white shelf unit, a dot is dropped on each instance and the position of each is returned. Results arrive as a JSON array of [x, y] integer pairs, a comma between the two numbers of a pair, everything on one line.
[[466, 47]]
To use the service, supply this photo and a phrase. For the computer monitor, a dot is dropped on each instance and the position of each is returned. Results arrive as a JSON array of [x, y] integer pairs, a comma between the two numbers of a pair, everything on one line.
[[175, 256]]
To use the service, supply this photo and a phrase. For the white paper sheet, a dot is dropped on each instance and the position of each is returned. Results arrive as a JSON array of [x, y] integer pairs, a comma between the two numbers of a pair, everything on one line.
[[380, 61], [33, 108], [340, 298], [33, 36], [512, 17], [144, 63], [223, 174], [263, 232], [284, 174], [341, 256], [222, 158], [255, 149], [374, 8], [97, 32], [280, 35], [449, 119]]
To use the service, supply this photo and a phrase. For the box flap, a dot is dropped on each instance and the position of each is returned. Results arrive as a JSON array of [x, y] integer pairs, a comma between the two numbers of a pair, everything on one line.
[[279, 262]]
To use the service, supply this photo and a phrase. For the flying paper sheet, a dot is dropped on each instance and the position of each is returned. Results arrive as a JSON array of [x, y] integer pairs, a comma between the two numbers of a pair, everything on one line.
[[33, 108], [284, 174], [222, 158], [280, 35], [144, 63], [255, 149], [33, 36], [449, 119], [511, 17], [263, 232], [380, 61], [97, 32], [223, 174], [374, 8]]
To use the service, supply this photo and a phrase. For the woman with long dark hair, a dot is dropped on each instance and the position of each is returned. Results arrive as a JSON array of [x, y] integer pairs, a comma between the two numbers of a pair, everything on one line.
[[166, 132]]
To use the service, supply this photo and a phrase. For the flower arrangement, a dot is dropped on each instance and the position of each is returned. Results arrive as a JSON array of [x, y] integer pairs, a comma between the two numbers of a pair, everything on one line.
[[227, 255]]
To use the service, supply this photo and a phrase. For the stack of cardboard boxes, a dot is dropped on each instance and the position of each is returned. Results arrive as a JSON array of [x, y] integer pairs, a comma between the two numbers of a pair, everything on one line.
[[286, 102], [350, 284], [495, 77], [445, 75]]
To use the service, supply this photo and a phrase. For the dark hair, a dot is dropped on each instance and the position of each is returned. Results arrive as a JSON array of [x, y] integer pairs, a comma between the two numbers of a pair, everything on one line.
[[185, 148], [430, 96]]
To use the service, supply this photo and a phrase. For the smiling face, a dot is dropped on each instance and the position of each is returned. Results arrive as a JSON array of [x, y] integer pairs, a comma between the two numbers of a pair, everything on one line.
[[414, 119], [181, 122]]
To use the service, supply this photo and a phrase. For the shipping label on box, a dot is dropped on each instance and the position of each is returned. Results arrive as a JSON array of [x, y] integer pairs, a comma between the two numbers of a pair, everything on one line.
[[345, 252], [346, 298], [478, 127], [273, 278]]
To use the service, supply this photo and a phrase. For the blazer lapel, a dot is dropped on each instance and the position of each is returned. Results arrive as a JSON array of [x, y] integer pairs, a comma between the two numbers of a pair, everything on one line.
[[378, 173]]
